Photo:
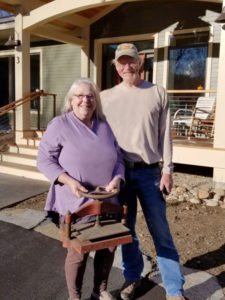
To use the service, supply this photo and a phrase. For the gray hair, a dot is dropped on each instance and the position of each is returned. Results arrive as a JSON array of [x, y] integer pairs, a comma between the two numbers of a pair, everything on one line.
[[67, 107]]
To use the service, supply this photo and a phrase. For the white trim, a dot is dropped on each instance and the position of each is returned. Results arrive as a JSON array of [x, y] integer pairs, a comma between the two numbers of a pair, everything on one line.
[[7, 52], [219, 137], [121, 39], [209, 60], [40, 53], [97, 67], [7, 20], [126, 38], [5, 26], [190, 30], [85, 53], [166, 59], [204, 156], [37, 51], [155, 62]]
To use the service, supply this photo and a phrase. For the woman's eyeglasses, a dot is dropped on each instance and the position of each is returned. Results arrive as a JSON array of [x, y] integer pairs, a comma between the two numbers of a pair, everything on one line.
[[89, 97]]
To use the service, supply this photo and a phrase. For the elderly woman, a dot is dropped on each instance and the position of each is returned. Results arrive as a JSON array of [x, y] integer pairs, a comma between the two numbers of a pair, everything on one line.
[[78, 150]]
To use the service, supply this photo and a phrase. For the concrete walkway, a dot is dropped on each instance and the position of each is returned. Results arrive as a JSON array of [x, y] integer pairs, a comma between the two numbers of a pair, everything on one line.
[[14, 189], [32, 258]]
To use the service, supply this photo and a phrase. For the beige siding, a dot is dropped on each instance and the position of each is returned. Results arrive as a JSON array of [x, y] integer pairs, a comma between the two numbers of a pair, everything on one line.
[[60, 67]]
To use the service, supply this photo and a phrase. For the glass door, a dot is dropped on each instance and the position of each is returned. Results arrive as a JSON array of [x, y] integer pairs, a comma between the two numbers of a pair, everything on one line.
[[34, 77], [7, 87], [7, 79]]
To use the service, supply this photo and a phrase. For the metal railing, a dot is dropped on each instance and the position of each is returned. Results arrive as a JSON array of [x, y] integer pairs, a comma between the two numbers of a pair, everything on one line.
[[8, 112], [182, 107]]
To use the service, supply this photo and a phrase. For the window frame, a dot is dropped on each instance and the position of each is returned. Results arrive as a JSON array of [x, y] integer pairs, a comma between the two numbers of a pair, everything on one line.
[[98, 43], [168, 36]]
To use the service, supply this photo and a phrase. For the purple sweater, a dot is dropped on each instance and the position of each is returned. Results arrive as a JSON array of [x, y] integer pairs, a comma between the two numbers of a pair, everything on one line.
[[91, 156]]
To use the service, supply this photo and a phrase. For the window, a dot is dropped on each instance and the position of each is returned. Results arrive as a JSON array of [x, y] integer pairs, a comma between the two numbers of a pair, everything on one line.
[[187, 71], [187, 61], [7, 87], [5, 14], [109, 74], [7, 79], [34, 77]]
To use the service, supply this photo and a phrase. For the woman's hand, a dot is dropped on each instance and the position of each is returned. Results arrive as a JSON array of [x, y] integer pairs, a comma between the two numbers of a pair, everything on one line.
[[76, 188], [113, 184], [73, 184]]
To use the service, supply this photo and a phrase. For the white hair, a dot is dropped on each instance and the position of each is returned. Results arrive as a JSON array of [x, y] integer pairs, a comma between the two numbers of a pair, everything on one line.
[[67, 107]]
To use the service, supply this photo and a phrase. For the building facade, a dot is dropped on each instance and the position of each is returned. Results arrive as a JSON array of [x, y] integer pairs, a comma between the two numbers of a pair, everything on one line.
[[181, 44]]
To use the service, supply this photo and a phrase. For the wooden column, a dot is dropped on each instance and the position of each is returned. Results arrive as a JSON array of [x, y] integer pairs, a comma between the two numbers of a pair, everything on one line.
[[85, 55], [22, 76], [219, 139]]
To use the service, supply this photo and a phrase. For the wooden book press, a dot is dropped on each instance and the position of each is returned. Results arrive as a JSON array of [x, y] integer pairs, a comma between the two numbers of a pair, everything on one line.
[[98, 234]]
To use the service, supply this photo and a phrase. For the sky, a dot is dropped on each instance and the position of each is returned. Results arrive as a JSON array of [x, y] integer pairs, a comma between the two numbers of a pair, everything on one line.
[[4, 14]]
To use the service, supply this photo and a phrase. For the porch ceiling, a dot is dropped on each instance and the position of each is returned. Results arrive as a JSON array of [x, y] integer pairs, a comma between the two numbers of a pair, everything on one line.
[[62, 20]]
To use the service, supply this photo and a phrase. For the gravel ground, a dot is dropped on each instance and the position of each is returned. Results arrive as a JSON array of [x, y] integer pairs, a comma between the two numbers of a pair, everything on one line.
[[198, 231]]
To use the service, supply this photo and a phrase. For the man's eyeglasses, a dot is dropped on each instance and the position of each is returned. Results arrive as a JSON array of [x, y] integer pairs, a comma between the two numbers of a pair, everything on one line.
[[89, 97]]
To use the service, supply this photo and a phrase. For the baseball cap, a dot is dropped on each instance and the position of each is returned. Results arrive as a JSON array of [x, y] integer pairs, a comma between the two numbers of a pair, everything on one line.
[[126, 49]]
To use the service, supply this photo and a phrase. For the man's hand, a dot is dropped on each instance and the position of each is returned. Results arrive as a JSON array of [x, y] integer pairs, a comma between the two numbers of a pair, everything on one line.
[[166, 183], [113, 184]]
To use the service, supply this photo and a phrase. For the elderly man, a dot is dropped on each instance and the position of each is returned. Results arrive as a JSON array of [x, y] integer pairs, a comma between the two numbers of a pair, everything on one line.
[[138, 112]]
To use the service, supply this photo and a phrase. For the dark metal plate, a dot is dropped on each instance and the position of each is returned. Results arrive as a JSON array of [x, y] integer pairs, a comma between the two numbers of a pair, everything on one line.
[[107, 229]]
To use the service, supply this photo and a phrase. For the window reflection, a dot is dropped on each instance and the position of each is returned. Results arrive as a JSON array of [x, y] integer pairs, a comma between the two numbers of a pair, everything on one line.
[[187, 61]]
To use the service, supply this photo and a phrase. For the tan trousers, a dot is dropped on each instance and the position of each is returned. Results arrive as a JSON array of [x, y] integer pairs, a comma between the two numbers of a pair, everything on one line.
[[75, 265]]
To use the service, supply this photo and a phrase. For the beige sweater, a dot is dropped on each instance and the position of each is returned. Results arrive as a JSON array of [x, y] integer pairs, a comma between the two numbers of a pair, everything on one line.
[[140, 119]]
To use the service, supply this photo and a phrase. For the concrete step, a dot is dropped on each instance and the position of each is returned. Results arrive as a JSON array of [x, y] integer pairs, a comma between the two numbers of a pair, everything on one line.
[[30, 141], [34, 133], [23, 149], [21, 170], [17, 158], [31, 137]]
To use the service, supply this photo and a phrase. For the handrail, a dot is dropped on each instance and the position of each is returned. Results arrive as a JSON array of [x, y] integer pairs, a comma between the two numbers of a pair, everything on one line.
[[28, 98], [190, 91], [13, 103], [31, 96]]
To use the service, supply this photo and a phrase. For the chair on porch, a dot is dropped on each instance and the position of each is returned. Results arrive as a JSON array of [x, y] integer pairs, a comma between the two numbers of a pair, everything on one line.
[[202, 123], [197, 122], [182, 121]]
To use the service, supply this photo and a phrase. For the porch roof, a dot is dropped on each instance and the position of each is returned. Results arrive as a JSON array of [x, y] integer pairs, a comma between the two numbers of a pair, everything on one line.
[[65, 21]]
